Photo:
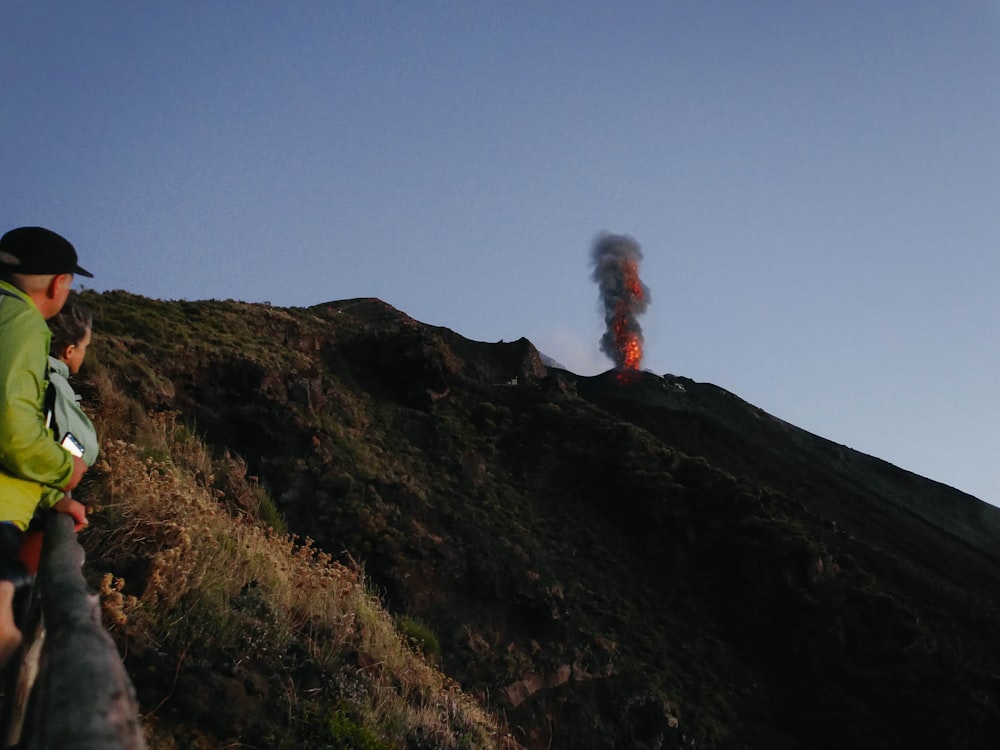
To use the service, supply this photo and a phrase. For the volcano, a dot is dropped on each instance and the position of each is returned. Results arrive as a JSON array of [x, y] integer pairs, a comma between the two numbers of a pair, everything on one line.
[[645, 564]]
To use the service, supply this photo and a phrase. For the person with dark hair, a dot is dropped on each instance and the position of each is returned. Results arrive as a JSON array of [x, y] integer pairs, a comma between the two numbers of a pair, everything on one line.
[[71, 331], [37, 267]]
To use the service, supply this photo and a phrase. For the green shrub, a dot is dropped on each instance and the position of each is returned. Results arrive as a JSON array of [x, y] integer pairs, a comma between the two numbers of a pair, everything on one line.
[[421, 637], [335, 730], [269, 514]]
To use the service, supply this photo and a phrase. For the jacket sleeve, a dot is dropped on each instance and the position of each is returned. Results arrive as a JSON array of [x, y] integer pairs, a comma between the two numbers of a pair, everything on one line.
[[27, 449]]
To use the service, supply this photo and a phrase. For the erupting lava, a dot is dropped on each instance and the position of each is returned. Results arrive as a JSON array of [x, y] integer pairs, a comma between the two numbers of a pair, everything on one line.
[[624, 297]]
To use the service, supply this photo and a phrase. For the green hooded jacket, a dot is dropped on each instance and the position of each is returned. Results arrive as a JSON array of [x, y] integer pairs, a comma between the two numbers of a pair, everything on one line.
[[31, 461]]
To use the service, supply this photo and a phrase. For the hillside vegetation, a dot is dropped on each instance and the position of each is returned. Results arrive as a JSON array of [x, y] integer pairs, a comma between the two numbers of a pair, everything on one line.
[[337, 527]]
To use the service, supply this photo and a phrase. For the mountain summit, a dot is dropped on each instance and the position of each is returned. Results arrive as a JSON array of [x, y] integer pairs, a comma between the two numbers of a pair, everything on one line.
[[603, 562]]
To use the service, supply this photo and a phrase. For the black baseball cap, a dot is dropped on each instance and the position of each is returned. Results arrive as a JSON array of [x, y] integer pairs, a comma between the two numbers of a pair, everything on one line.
[[37, 250]]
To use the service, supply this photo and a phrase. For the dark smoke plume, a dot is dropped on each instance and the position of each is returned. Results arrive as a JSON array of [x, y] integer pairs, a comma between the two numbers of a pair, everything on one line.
[[624, 297]]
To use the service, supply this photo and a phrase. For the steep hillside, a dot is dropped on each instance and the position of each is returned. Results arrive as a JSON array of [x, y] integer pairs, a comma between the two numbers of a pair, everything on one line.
[[645, 562]]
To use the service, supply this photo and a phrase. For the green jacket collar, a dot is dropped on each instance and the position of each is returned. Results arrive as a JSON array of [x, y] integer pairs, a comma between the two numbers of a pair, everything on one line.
[[9, 290]]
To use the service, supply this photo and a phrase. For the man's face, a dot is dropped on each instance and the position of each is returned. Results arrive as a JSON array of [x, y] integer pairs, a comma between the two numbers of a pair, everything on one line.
[[62, 284]]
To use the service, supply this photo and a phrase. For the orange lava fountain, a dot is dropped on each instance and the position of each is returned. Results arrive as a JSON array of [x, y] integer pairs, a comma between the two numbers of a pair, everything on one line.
[[628, 342]]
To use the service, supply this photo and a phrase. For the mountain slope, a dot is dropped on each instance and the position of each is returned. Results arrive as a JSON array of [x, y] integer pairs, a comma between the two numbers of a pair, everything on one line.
[[640, 562]]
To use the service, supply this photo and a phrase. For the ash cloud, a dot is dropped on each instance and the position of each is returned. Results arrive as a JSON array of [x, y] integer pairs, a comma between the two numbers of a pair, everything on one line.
[[615, 259]]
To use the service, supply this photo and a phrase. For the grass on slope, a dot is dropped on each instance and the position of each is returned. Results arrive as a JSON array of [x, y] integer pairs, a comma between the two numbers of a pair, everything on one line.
[[195, 572]]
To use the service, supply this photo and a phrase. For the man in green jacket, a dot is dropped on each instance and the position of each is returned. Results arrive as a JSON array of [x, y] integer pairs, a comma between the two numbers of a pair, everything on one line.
[[36, 272]]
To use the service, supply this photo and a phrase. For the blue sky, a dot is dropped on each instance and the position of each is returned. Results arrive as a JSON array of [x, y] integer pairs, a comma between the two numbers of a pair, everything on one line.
[[814, 185]]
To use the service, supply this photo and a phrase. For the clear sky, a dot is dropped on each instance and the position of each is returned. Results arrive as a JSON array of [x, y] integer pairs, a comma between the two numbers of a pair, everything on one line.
[[815, 185]]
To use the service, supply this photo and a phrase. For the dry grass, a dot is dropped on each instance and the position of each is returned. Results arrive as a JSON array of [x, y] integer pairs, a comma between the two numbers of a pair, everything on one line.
[[218, 579]]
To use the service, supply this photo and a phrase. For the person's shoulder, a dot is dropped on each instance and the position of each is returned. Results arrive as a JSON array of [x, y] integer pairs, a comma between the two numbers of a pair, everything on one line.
[[15, 305], [22, 328], [22, 323]]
